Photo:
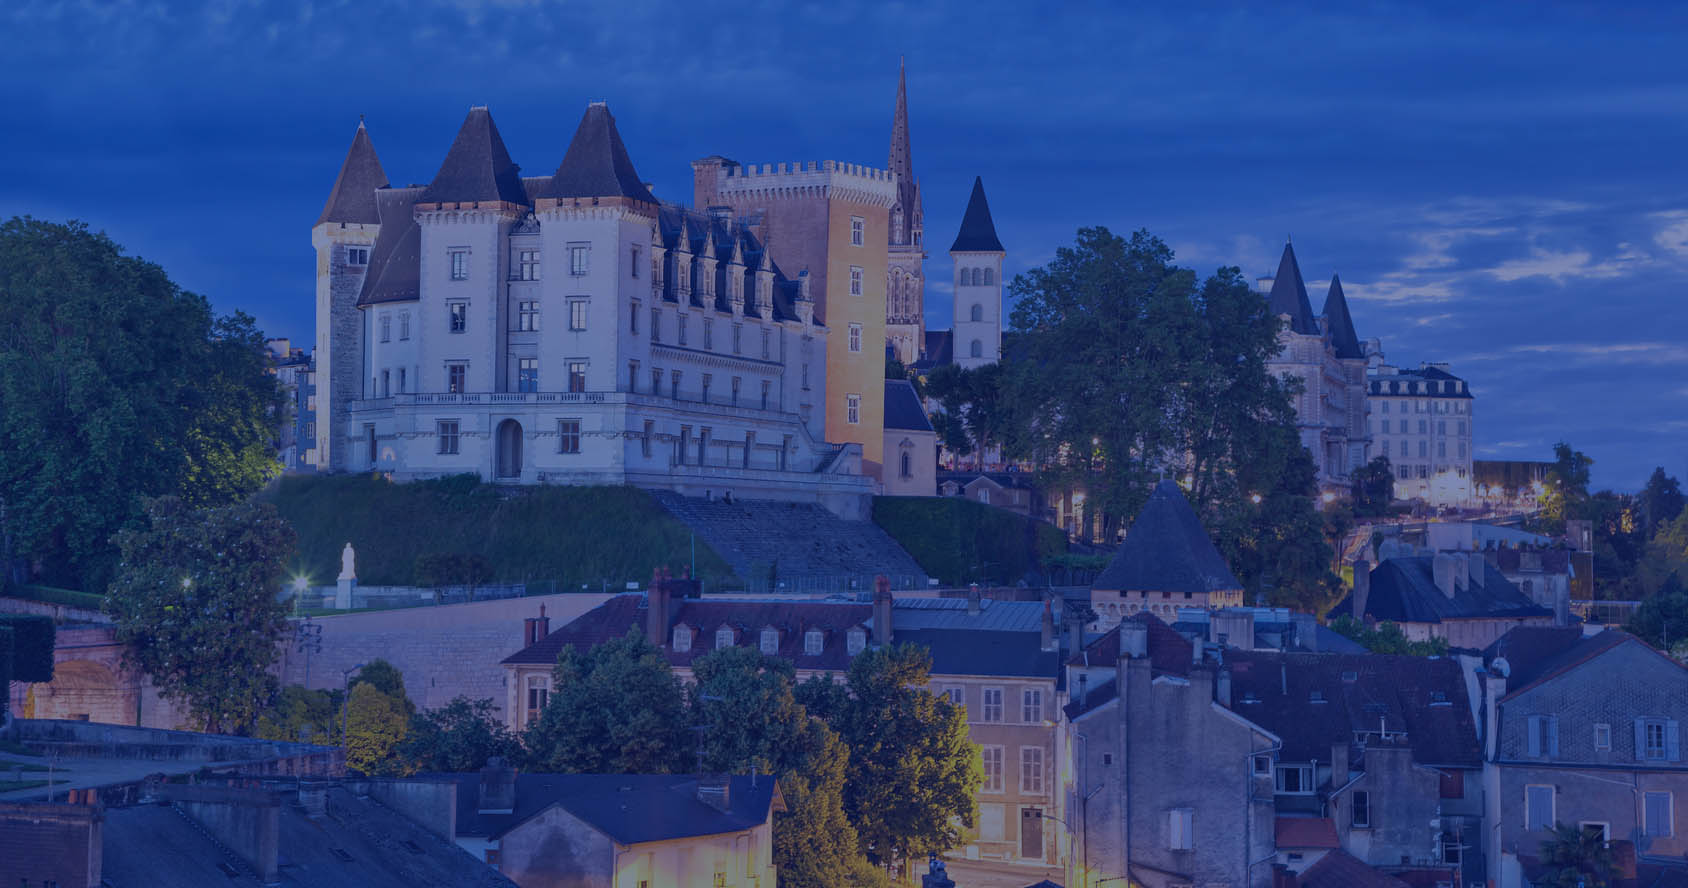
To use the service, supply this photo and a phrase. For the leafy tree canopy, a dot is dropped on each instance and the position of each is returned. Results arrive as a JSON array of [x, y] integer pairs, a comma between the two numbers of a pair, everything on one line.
[[1576, 858], [1565, 489], [459, 736], [375, 726], [302, 715], [618, 709], [1387, 638], [1373, 488], [196, 605], [115, 385]]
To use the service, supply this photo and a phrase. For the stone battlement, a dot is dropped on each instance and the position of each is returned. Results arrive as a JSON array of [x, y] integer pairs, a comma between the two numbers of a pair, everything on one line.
[[853, 181]]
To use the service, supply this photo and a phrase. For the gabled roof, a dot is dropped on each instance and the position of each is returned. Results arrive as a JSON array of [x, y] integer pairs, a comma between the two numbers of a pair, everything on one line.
[[1314, 701], [1340, 323], [1404, 590], [978, 232], [478, 167], [1289, 296], [395, 262], [352, 200], [973, 652], [1167, 550], [1535, 654], [902, 407], [629, 808], [596, 164], [1339, 869]]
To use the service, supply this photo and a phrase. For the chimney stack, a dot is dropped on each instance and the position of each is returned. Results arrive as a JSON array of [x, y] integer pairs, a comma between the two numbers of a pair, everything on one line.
[[1047, 629], [1477, 564], [1133, 640], [1222, 688], [715, 790], [1562, 605], [535, 629], [973, 599], [1338, 764], [1443, 568], [1362, 588], [498, 787], [656, 608], [882, 610], [1075, 630]]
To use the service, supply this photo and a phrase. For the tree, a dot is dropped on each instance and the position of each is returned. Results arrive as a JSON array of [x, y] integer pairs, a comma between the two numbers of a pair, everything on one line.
[[375, 726], [115, 385], [913, 767], [1565, 489], [1373, 488], [1387, 638], [1662, 619], [301, 714], [1660, 501], [196, 606], [1576, 858], [617, 709], [453, 569], [459, 736], [388, 680]]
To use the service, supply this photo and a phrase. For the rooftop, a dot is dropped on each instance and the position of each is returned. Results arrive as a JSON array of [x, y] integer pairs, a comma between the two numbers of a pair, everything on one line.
[[1404, 589], [629, 808], [1167, 550]]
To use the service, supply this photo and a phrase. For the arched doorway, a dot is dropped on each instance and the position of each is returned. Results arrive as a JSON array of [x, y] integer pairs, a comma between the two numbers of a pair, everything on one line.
[[85, 690], [509, 462]]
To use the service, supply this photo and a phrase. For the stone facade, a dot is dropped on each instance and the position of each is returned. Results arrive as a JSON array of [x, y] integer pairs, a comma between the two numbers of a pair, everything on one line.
[[905, 286], [1422, 420]]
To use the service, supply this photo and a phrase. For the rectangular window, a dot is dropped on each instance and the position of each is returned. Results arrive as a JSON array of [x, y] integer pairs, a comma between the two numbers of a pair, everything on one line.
[[736, 383], [738, 339], [858, 229], [404, 325], [633, 319], [459, 312], [1543, 738], [955, 695], [1031, 706], [681, 442], [805, 376], [645, 441], [855, 280], [401, 380], [632, 376], [538, 696], [993, 768], [357, 255], [579, 259], [1658, 814], [656, 325], [855, 337], [386, 327], [577, 376], [527, 265], [1361, 809], [456, 378], [1652, 739], [766, 385], [1295, 779], [1538, 807], [527, 374], [656, 380], [577, 314], [708, 334], [459, 265], [1031, 770], [674, 385], [1602, 737], [991, 711], [386, 383], [1181, 824], [749, 448], [1262, 765], [991, 825], [766, 341], [568, 436], [707, 379], [634, 252], [527, 315], [680, 325], [853, 409], [446, 430]]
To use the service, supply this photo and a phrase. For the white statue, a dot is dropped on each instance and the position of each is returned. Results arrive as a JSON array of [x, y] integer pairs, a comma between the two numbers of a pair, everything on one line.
[[346, 559]]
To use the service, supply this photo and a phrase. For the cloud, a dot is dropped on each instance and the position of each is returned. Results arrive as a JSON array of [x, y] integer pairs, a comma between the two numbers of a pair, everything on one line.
[[1556, 266], [1644, 353]]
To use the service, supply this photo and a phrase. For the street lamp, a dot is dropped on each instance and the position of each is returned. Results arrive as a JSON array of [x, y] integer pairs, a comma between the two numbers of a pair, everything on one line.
[[346, 703]]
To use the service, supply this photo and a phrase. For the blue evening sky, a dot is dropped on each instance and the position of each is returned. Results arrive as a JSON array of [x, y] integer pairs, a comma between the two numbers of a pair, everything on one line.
[[1502, 188]]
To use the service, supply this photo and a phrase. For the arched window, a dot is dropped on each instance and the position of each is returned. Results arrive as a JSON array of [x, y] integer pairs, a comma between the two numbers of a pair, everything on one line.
[[989, 276], [813, 641], [770, 641], [965, 277], [976, 313], [682, 638], [724, 637], [908, 469], [976, 350], [978, 275]]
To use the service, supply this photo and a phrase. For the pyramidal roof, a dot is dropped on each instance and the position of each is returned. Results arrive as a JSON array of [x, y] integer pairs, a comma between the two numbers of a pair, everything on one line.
[[1289, 296], [478, 167], [353, 198], [1167, 550], [1340, 324], [978, 232], [596, 164]]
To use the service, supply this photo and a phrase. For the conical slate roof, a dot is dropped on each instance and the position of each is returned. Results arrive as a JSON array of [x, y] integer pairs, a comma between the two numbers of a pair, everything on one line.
[[978, 232], [1340, 324], [1167, 550], [395, 262], [596, 164], [1289, 296], [477, 168], [353, 198]]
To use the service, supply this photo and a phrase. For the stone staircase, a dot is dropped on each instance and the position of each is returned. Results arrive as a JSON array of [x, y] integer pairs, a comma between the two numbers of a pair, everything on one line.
[[795, 547]]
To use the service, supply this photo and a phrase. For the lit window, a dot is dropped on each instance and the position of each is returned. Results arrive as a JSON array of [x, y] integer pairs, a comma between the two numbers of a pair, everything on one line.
[[568, 436], [527, 375], [459, 312], [991, 711], [855, 337], [1031, 770], [992, 756], [577, 314], [855, 280], [858, 228], [577, 376], [853, 409], [456, 376], [579, 255], [447, 432], [459, 265], [770, 641], [813, 641]]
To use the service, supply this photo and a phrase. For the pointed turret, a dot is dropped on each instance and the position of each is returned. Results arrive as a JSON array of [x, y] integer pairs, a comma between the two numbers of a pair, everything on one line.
[[478, 167], [1289, 296], [353, 197], [1340, 324], [1167, 550], [596, 164], [978, 232], [906, 213]]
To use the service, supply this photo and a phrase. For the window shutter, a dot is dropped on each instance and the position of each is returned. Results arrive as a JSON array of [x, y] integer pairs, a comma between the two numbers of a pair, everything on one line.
[[1553, 736], [1640, 739], [1535, 736], [1673, 746]]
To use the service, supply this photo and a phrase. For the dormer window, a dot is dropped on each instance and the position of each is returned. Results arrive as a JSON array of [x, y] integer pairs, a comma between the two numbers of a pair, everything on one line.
[[724, 637], [857, 641], [813, 641], [770, 641], [682, 638]]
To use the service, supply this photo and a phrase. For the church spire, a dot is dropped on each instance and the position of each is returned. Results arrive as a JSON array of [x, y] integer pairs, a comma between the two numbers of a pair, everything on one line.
[[906, 215], [352, 200]]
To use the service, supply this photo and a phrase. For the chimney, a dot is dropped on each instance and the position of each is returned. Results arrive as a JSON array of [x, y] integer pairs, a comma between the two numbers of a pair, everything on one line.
[[1222, 688], [534, 629], [1462, 571], [1133, 640], [544, 624], [1075, 630], [1083, 687], [1477, 566], [973, 599], [707, 174], [1443, 568], [715, 790], [1494, 688], [498, 787], [1338, 764], [1282, 877], [1362, 588], [656, 609], [1562, 605], [1046, 638], [882, 610], [1307, 631]]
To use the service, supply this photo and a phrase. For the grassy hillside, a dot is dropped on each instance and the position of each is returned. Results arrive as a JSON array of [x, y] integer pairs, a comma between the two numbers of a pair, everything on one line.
[[961, 541], [572, 535]]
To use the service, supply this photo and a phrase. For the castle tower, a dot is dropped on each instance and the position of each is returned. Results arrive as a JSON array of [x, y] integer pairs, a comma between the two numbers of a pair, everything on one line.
[[978, 259], [343, 237], [905, 286], [1350, 356]]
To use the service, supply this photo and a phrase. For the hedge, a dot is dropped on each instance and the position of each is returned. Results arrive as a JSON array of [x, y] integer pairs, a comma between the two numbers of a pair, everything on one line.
[[32, 646], [961, 541]]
